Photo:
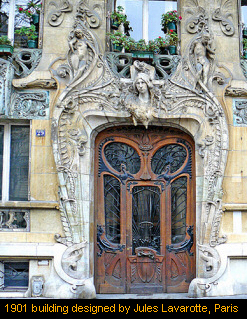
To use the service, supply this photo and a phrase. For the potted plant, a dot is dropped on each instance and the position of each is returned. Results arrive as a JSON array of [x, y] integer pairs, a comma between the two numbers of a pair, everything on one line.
[[32, 12], [30, 33], [173, 40], [117, 40], [244, 41], [35, 9], [162, 43], [5, 46], [119, 17], [143, 50], [169, 20], [244, 31]]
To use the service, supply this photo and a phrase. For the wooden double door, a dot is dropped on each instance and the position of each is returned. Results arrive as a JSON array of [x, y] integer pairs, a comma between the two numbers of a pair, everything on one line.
[[145, 210]]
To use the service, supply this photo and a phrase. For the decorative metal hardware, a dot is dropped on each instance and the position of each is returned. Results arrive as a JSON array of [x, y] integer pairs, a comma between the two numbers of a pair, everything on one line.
[[104, 244], [168, 161], [186, 245], [146, 217], [121, 157]]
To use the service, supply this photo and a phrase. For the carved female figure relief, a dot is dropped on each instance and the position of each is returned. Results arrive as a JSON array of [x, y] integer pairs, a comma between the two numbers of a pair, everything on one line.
[[203, 52], [79, 54], [140, 102]]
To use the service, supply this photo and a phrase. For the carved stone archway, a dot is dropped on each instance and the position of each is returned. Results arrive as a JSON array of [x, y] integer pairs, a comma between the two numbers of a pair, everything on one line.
[[92, 98]]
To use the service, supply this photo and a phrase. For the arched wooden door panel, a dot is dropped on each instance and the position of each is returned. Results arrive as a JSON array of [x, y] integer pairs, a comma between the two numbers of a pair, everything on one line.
[[145, 210]]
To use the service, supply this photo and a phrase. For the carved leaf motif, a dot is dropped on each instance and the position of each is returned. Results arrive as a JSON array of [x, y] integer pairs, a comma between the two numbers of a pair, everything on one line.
[[192, 3], [222, 15]]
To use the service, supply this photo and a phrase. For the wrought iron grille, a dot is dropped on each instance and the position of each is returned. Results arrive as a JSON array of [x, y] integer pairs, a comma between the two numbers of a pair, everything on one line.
[[119, 154], [14, 220], [172, 155], [146, 217]]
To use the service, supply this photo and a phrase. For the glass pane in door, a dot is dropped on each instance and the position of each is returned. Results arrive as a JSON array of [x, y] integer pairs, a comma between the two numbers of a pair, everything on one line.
[[146, 217], [178, 207], [112, 208]]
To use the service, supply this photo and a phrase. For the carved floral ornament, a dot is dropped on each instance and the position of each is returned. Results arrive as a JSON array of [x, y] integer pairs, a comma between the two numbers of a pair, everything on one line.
[[89, 89], [199, 16]]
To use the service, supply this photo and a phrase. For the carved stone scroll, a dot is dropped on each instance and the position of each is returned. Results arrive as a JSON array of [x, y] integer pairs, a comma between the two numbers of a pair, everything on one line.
[[56, 16], [222, 15]]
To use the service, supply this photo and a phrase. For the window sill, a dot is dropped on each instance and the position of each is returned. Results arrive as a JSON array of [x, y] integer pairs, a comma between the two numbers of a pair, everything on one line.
[[13, 293], [30, 205]]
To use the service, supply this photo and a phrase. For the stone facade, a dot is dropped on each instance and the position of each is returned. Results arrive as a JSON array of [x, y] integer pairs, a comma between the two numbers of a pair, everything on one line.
[[73, 94]]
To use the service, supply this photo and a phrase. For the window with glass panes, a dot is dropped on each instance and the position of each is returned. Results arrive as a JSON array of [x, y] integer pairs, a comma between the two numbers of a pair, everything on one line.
[[145, 16], [11, 18], [14, 162], [244, 12]]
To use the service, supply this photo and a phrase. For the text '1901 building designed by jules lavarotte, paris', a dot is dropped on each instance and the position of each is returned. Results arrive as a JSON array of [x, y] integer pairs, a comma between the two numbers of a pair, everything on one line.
[[123, 147]]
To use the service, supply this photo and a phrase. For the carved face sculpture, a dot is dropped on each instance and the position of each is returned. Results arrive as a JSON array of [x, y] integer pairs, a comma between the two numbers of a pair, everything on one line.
[[141, 86], [142, 83]]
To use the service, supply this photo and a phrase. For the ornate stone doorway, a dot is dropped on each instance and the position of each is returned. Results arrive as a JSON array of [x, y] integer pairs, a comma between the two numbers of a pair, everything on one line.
[[145, 210]]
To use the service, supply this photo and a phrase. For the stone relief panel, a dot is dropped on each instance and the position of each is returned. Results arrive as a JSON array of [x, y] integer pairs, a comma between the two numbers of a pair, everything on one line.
[[223, 15], [239, 112], [199, 17], [6, 76], [88, 89], [29, 105]]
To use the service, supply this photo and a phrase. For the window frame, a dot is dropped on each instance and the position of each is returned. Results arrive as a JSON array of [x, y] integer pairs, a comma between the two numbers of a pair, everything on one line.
[[145, 16], [6, 158], [11, 23], [3, 274]]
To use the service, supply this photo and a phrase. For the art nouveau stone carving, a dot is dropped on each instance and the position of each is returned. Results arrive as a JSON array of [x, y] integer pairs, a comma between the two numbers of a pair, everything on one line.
[[56, 15], [27, 60], [240, 113], [199, 17], [91, 93], [29, 105], [222, 15], [6, 76]]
